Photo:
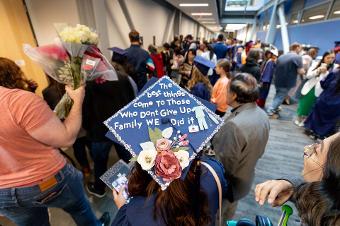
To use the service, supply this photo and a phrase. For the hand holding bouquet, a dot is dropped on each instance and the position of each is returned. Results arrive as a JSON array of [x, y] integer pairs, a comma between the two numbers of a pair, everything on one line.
[[73, 62]]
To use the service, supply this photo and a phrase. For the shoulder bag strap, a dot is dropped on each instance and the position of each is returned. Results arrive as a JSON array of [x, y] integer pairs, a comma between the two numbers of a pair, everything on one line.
[[219, 187]]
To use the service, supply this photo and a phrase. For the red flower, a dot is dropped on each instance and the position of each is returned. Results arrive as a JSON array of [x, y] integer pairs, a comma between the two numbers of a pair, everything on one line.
[[167, 166], [54, 51]]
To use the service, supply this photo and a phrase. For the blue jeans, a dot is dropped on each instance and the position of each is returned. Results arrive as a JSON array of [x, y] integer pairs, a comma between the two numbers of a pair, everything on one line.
[[280, 95], [27, 206]]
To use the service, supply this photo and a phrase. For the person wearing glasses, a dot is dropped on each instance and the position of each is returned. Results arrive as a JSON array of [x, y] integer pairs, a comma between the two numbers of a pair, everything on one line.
[[317, 196]]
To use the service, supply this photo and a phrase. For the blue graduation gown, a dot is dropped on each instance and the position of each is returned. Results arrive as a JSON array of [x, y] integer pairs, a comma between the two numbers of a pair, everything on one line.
[[201, 91], [326, 111], [140, 210]]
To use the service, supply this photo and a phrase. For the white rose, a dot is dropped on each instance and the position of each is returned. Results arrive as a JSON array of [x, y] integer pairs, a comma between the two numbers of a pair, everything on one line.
[[183, 158], [146, 159]]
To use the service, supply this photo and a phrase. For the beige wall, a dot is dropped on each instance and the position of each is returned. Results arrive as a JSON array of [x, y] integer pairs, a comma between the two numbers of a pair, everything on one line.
[[44, 13], [15, 31]]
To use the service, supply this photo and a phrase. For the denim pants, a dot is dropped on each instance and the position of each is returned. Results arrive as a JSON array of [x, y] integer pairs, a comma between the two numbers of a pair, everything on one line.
[[27, 206], [280, 95]]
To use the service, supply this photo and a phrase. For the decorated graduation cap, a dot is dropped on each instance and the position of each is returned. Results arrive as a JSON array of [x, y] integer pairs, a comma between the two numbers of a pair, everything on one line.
[[203, 64], [164, 129]]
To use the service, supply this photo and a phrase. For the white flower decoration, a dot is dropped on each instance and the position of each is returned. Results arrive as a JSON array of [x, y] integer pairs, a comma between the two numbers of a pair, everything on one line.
[[148, 146], [183, 158], [146, 159], [167, 133]]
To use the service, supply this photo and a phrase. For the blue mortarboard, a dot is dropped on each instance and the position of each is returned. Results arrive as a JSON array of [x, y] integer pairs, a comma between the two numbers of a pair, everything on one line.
[[164, 124], [203, 64], [117, 53]]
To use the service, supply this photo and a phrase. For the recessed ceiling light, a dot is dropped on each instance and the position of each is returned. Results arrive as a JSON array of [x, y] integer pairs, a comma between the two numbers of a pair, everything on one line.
[[193, 4], [204, 19], [337, 12], [201, 14], [316, 17], [295, 21], [235, 27]]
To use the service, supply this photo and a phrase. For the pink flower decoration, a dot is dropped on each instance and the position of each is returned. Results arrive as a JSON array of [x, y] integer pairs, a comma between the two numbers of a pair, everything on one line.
[[184, 143], [163, 145], [167, 166], [183, 137]]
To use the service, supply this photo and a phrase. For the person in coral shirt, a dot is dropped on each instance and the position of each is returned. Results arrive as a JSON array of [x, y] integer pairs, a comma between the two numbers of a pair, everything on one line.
[[219, 92], [33, 174]]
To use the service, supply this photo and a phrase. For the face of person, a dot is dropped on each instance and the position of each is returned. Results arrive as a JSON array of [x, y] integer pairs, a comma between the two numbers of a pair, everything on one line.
[[329, 59], [315, 157], [191, 56], [218, 69], [298, 50]]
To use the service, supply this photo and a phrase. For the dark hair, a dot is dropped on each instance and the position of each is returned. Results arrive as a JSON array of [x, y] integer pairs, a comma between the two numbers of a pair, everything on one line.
[[182, 203], [187, 55], [152, 49], [245, 87], [177, 50], [254, 55], [318, 203], [294, 46], [166, 45], [323, 60], [11, 75], [211, 51], [134, 36], [220, 37]]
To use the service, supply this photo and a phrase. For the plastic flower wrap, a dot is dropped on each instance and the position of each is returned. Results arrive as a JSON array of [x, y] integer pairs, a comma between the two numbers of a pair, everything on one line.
[[73, 62]]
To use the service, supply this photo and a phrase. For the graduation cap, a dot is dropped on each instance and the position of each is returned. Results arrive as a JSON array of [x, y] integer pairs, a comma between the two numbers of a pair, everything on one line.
[[164, 129], [337, 46], [117, 53], [203, 64]]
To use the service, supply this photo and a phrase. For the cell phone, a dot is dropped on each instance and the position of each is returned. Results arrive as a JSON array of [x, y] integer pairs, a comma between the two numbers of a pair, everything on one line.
[[117, 176]]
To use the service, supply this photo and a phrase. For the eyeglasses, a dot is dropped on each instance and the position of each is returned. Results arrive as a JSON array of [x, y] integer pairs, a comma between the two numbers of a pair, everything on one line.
[[309, 150]]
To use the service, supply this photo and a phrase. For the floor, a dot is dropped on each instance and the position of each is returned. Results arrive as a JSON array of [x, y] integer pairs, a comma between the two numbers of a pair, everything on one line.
[[283, 156]]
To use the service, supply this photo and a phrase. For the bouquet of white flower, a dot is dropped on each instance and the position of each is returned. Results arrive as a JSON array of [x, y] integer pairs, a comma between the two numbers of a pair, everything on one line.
[[74, 62]]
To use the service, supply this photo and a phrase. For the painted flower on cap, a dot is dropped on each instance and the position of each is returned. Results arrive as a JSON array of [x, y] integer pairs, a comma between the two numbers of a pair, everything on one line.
[[163, 145], [146, 159], [167, 166], [183, 158]]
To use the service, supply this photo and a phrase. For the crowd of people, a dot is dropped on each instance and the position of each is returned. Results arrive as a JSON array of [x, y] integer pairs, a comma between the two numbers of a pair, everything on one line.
[[235, 77]]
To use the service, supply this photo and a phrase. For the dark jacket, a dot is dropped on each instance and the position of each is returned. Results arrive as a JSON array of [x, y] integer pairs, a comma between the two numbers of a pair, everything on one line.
[[141, 209], [52, 95], [252, 68], [101, 102], [137, 57]]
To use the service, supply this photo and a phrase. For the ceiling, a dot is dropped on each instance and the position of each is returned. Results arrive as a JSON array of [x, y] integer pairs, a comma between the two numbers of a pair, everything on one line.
[[209, 21]]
